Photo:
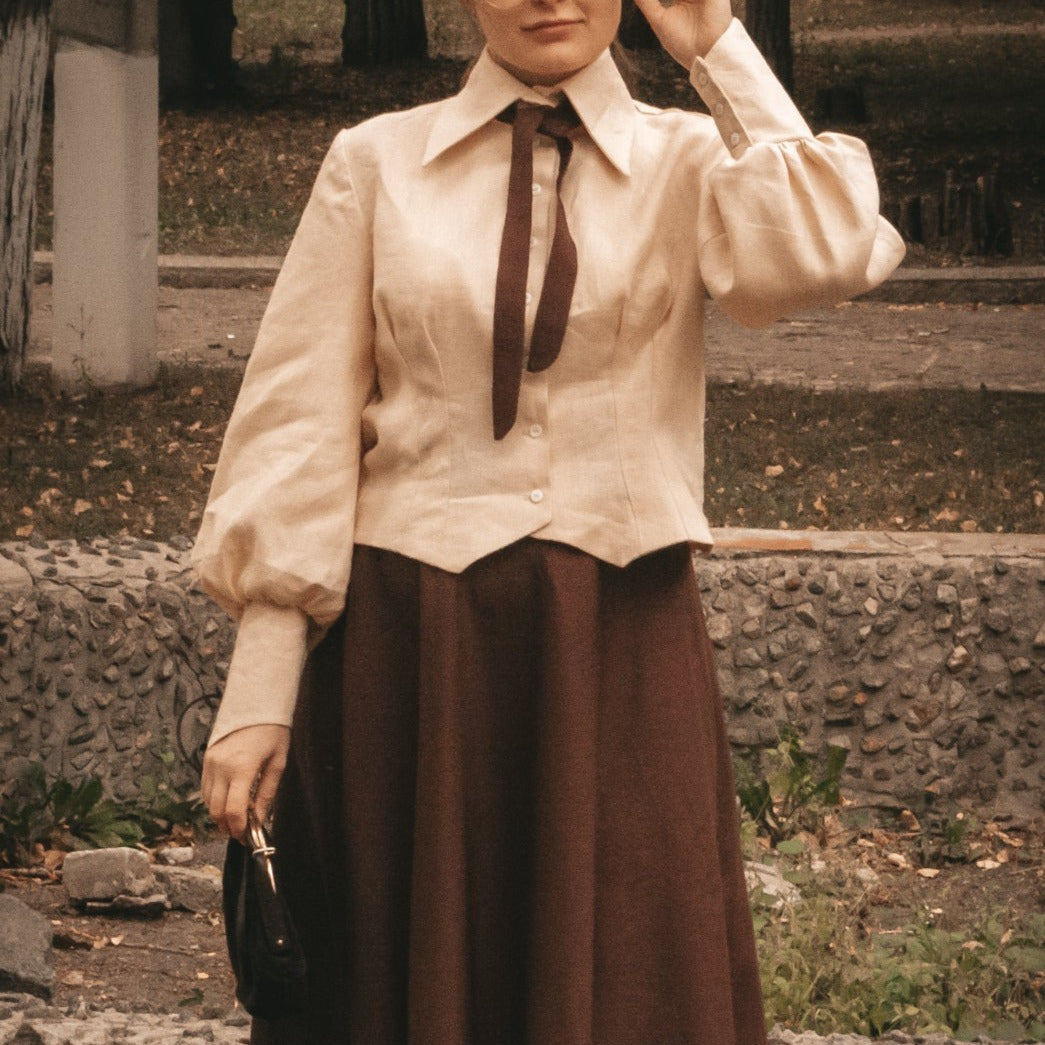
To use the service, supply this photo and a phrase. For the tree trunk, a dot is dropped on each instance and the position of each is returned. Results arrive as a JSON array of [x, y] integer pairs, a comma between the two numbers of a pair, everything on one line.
[[769, 24], [378, 31], [24, 26], [195, 44]]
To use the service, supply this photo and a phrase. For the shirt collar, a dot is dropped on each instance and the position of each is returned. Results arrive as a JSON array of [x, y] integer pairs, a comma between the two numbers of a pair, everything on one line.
[[598, 94]]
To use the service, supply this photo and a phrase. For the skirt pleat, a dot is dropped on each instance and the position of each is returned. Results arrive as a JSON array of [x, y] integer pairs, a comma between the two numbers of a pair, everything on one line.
[[509, 813]]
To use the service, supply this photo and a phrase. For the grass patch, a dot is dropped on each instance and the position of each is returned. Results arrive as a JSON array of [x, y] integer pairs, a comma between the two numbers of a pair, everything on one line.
[[854, 460], [826, 967], [302, 27], [140, 462]]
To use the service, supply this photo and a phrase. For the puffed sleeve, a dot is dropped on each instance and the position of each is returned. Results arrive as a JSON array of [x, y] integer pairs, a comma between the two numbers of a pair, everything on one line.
[[275, 544], [787, 220]]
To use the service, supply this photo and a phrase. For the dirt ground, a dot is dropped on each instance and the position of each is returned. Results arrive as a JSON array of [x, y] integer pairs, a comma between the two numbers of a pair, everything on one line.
[[167, 964], [178, 961]]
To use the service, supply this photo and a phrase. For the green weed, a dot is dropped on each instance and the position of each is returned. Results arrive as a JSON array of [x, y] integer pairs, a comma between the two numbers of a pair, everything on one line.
[[38, 812], [823, 970], [790, 793], [161, 805], [60, 814]]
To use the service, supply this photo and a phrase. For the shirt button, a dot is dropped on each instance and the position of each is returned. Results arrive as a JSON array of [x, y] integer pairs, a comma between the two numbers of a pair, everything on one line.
[[529, 297], [536, 189], [533, 241], [536, 496], [536, 431], [719, 108], [702, 79], [734, 139]]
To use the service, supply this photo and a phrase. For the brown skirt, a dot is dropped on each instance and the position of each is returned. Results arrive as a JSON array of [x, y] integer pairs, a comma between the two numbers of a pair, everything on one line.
[[509, 814]]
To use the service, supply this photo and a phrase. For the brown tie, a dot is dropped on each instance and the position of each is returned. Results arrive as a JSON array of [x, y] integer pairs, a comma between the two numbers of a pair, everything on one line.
[[553, 308]]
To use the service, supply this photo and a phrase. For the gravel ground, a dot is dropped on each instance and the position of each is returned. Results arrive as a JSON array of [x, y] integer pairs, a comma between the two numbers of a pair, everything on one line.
[[25, 1019]]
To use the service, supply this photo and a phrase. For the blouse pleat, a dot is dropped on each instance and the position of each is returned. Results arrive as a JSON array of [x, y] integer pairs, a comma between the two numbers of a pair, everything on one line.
[[509, 814]]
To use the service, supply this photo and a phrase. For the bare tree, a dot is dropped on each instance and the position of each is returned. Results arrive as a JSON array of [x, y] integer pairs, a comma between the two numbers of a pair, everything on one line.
[[24, 26], [383, 31], [769, 23]]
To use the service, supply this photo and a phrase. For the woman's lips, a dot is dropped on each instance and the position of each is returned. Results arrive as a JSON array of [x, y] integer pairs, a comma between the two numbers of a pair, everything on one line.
[[551, 30]]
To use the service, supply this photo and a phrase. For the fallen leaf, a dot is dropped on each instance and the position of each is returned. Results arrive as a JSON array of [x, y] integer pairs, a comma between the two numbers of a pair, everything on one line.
[[72, 978], [909, 821], [928, 872], [196, 391], [946, 515], [117, 940], [202, 975], [24, 531], [81, 506], [969, 526], [897, 860], [773, 470], [48, 496], [987, 863]]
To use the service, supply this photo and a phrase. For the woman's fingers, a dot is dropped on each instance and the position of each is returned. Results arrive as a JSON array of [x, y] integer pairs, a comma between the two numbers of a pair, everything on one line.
[[688, 28], [268, 782], [234, 767], [237, 802]]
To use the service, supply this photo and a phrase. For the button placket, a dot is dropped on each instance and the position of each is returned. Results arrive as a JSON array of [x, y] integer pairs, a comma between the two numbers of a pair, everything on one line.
[[542, 216]]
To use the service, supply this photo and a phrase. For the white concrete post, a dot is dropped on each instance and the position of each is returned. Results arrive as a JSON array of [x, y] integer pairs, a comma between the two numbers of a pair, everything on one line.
[[106, 173]]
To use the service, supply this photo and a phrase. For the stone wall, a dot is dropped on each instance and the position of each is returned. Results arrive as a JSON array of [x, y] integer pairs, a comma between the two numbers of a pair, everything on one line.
[[926, 660], [928, 669], [109, 658]]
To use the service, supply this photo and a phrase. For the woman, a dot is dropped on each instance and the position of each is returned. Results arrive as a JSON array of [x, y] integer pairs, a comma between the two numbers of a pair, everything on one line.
[[508, 811]]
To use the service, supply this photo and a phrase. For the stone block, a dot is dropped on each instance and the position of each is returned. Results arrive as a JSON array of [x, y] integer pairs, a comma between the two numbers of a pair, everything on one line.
[[25, 949], [771, 881], [103, 874], [198, 891], [176, 855], [15, 581]]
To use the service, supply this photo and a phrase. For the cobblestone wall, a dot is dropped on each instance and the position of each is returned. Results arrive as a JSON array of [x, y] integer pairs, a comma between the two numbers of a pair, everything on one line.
[[109, 658], [929, 673], [929, 668]]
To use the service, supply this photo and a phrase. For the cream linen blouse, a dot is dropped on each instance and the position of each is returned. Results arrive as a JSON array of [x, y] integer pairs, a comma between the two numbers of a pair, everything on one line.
[[365, 410]]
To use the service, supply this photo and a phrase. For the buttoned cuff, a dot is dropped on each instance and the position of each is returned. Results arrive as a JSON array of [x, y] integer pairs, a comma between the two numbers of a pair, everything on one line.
[[746, 100], [265, 672]]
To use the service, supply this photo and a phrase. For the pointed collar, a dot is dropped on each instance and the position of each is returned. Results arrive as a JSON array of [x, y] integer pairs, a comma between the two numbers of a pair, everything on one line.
[[598, 94]]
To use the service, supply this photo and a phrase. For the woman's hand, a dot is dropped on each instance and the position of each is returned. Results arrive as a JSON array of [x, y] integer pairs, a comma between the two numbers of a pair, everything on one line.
[[247, 762], [687, 29]]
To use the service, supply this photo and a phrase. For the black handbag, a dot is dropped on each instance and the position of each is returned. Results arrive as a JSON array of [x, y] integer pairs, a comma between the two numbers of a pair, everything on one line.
[[264, 950]]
